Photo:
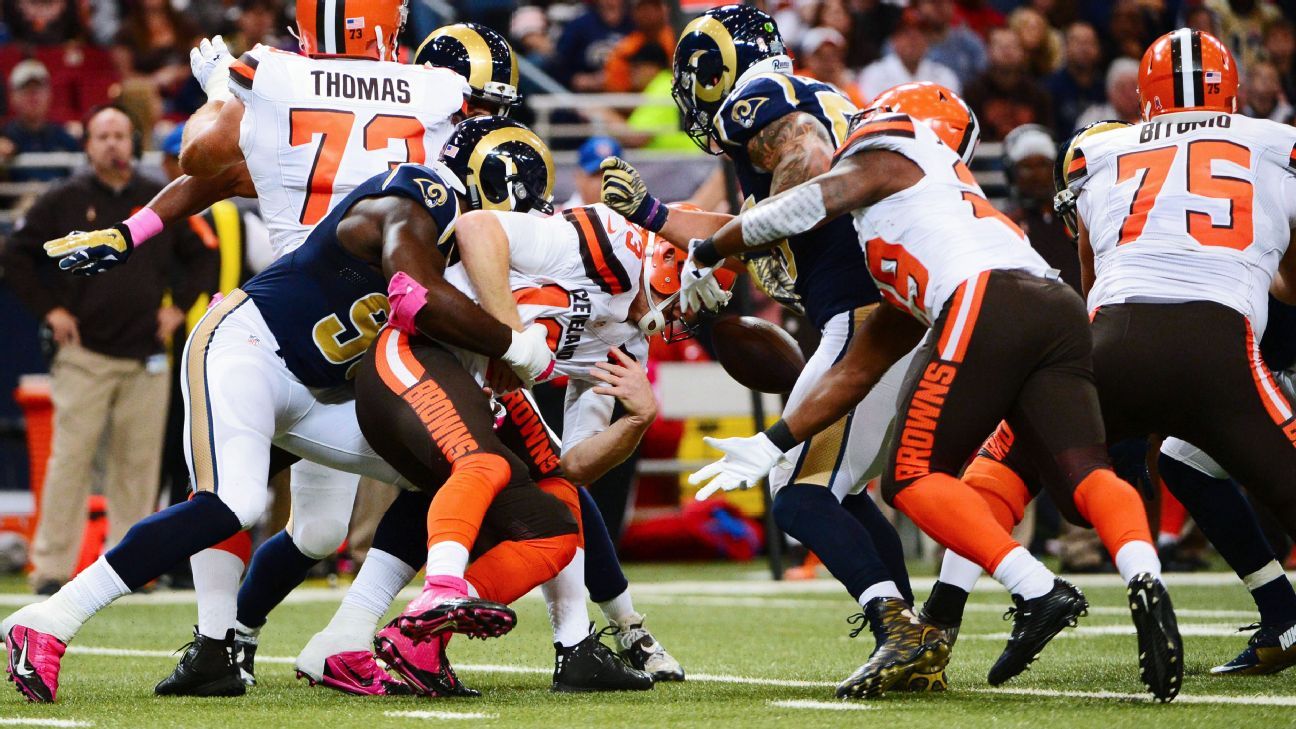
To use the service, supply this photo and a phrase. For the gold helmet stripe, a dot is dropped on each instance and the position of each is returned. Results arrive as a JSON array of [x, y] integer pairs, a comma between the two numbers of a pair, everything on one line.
[[480, 62], [504, 135], [1069, 159], [715, 30]]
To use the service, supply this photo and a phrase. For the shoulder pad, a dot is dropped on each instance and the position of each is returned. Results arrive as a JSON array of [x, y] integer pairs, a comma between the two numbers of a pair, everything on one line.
[[243, 71], [751, 107], [424, 185], [881, 130]]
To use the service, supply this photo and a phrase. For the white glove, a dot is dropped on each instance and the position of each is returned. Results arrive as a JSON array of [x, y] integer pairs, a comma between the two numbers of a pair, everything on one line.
[[210, 63], [746, 461], [699, 288], [529, 355]]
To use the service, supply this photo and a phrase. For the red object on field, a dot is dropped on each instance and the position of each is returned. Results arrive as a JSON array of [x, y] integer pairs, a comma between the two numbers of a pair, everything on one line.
[[33, 396], [1173, 513], [95, 535], [702, 530]]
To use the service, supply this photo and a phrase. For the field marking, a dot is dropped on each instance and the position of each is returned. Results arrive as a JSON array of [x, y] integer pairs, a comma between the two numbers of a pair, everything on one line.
[[31, 721], [439, 715], [1264, 700], [1199, 630], [827, 705]]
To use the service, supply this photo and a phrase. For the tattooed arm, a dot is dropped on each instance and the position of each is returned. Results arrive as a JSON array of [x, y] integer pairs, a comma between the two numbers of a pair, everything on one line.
[[793, 149]]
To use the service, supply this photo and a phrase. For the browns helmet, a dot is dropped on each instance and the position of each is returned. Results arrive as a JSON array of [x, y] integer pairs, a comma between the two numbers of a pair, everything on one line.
[[934, 105], [357, 28], [1187, 70], [662, 263]]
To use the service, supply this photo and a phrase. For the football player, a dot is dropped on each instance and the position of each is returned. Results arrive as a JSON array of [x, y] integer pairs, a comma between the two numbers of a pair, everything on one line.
[[268, 372], [734, 84], [1008, 341]]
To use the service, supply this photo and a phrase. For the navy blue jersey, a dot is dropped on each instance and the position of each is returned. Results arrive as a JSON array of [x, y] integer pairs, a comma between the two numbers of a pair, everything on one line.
[[1278, 345], [324, 305], [828, 264]]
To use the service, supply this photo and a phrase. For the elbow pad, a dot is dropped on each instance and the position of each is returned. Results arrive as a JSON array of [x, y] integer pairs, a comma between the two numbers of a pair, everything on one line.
[[791, 213], [405, 297]]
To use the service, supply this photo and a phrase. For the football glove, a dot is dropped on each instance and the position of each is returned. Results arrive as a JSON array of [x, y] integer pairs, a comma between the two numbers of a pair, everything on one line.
[[93, 252], [746, 461], [625, 192], [210, 63], [529, 355], [699, 288], [771, 277]]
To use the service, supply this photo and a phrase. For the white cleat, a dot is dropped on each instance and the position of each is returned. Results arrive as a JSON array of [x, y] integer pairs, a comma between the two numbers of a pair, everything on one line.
[[641, 650], [323, 645]]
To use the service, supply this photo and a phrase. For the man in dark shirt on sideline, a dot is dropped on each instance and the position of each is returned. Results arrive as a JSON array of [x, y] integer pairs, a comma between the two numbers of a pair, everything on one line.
[[110, 330], [1079, 84], [30, 129]]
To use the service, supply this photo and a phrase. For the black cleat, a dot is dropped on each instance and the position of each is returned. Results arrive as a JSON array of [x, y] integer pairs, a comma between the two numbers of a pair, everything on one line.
[[905, 645], [1160, 647], [206, 669], [591, 666], [1036, 622], [1270, 650], [245, 647]]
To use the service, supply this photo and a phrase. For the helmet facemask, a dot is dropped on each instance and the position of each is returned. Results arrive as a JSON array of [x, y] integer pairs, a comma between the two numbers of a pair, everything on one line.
[[707, 69]]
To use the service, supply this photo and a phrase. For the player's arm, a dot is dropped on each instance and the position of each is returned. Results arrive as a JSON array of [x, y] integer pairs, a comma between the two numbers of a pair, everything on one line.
[[213, 146], [1284, 283], [484, 251], [1086, 257], [626, 380]]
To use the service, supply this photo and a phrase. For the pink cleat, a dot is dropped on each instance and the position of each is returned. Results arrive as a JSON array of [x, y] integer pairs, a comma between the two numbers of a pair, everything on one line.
[[358, 674], [34, 659], [424, 665], [445, 606]]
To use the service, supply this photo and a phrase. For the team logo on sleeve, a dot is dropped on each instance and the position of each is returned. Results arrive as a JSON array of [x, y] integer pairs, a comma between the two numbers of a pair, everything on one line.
[[434, 193], [744, 111]]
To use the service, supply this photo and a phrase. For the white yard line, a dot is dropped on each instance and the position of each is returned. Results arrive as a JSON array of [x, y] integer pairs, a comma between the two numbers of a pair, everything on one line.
[[439, 715], [1202, 630], [33, 721], [826, 705], [1255, 700]]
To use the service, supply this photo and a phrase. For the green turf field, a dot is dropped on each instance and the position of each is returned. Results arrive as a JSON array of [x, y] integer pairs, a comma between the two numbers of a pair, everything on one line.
[[759, 654]]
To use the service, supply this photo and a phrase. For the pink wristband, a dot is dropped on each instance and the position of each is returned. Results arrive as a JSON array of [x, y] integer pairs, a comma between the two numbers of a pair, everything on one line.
[[405, 296], [144, 224]]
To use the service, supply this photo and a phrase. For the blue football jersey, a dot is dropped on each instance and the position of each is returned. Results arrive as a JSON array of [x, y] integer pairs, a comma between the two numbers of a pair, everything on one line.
[[324, 305], [828, 264]]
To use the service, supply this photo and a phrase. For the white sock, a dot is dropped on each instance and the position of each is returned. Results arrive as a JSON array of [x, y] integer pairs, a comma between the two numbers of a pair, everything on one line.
[[374, 589], [1136, 558], [1167, 539], [565, 597], [447, 558], [216, 575], [1024, 575], [959, 571], [1264, 576], [621, 610], [880, 589], [89, 592]]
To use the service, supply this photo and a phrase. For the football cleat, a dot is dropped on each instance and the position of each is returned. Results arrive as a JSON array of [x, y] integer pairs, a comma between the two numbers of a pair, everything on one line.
[[923, 681], [245, 647], [34, 659], [642, 651], [1036, 622], [423, 665], [1270, 650], [358, 674], [905, 645], [591, 666], [444, 606], [1160, 647], [207, 668]]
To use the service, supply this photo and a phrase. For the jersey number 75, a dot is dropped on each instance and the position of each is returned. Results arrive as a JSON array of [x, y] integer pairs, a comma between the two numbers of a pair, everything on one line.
[[1154, 167]]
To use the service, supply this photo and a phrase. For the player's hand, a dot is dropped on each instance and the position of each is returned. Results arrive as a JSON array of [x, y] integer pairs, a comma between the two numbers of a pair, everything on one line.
[[746, 461], [210, 63], [63, 326], [699, 288], [627, 381], [770, 276], [169, 319], [500, 378], [89, 253], [625, 192], [529, 355]]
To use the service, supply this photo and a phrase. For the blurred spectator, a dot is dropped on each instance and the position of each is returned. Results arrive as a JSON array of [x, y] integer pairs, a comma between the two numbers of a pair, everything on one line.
[[1242, 25], [1127, 30], [43, 22], [110, 330], [154, 44], [586, 177], [1201, 18], [586, 43], [1041, 43], [650, 27], [1005, 96], [258, 22], [1122, 95], [1079, 83], [529, 31], [954, 47], [836, 15], [872, 22], [1029, 152], [979, 15], [823, 57], [907, 61], [30, 129], [1263, 94], [1280, 48], [655, 125]]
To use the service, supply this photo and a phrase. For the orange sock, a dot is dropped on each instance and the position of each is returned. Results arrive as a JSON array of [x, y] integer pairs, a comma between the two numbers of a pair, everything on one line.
[[952, 513], [1114, 508], [1003, 490], [239, 545], [565, 491], [512, 569], [460, 505], [1173, 514]]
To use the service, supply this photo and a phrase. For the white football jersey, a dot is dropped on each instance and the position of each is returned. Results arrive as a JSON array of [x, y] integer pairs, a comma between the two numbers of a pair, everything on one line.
[[576, 273], [922, 242], [1191, 206], [313, 129]]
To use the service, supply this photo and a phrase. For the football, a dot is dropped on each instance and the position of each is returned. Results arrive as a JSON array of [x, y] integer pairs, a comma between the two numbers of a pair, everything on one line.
[[758, 354]]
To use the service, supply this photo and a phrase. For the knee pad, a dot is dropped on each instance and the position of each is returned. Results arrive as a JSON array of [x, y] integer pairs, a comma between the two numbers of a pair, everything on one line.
[[1001, 488], [557, 552], [493, 470], [247, 501], [318, 538]]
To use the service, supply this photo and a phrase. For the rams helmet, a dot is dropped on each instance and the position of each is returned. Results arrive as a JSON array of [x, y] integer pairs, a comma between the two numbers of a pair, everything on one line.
[[502, 164], [1070, 168], [480, 55]]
